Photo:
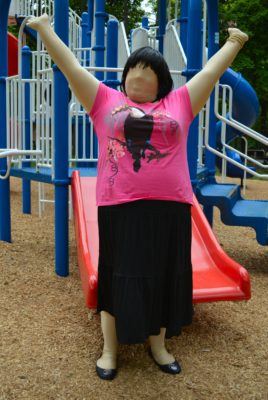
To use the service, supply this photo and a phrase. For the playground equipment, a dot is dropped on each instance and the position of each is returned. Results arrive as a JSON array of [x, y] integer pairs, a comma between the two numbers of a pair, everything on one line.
[[12, 55], [45, 134], [245, 109]]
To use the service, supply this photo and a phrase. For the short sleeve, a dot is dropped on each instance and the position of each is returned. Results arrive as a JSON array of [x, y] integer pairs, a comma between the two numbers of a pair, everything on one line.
[[180, 98], [104, 96]]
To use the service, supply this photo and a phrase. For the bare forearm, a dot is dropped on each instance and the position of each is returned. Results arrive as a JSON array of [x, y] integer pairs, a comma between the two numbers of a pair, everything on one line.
[[83, 84], [58, 51], [222, 60], [202, 84]]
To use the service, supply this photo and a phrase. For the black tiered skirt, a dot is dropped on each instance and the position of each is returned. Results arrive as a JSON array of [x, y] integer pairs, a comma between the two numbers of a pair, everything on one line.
[[145, 270]]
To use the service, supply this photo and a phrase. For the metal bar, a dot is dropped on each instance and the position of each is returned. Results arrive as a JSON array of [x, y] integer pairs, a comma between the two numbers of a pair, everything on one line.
[[61, 179], [219, 154]]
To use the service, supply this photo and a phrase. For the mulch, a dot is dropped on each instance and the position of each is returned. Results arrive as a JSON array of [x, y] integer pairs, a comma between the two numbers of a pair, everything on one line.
[[49, 341]]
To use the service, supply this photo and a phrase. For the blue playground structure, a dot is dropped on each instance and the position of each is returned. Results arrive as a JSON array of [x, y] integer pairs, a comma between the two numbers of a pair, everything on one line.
[[45, 134]]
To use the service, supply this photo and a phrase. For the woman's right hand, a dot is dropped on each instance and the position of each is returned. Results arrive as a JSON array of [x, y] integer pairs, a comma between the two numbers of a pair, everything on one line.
[[37, 23]]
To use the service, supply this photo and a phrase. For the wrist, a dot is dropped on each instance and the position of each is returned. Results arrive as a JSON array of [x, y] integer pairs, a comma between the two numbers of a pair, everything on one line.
[[237, 36], [236, 39]]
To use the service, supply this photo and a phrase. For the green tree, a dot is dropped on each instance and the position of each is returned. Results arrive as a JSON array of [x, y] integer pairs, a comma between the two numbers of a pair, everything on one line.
[[252, 62], [128, 11], [78, 6]]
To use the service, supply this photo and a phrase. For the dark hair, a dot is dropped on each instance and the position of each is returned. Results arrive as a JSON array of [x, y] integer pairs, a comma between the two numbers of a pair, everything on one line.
[[149, 57]]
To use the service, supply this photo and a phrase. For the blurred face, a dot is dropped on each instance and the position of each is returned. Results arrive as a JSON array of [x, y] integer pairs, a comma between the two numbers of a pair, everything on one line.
[[141, 84]]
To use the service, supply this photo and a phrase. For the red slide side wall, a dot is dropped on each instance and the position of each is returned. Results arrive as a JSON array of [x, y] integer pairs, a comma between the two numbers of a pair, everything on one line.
[[12, 55], [88, 269]]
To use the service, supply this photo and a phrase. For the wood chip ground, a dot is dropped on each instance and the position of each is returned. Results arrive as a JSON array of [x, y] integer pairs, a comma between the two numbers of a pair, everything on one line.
[[49, 341]]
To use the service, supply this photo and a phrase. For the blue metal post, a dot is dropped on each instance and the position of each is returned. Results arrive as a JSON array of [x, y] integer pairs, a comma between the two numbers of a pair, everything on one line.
[[90, 11], [84, 26], [5, 212], [99, 47], [26, 72], [213, 46], [130, 39], [61, 180], [162, 16], [145, 22], [183, 23], [194, 64], [112, 53], [81, 141]]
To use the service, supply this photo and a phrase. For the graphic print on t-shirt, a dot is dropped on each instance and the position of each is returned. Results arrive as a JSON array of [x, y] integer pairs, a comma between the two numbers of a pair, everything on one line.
[[133, 130]]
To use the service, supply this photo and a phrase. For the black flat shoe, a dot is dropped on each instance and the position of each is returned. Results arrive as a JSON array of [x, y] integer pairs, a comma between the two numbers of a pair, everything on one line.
[[106, 374], [171, 368]]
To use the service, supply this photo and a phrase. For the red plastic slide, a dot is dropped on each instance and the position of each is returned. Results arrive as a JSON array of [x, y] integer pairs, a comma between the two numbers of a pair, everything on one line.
[[215, 275], [12, 55]]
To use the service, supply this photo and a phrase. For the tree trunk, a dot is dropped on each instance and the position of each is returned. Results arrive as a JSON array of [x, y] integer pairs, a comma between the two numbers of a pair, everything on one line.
[[126, 14]]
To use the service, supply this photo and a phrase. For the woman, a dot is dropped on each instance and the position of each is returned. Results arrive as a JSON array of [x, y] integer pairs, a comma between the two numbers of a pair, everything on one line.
[[144, 193]]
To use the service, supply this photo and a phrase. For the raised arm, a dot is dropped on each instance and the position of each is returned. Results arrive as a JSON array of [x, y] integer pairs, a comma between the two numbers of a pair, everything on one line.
[[83, 84], [202, 84]]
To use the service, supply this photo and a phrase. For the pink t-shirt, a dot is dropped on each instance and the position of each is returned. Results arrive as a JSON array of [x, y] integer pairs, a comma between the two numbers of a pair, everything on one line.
[[142, 147]]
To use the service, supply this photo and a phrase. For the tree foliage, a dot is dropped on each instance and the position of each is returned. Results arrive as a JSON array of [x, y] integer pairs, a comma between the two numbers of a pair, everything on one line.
[[78, 6], [252, 62], [128, 11]]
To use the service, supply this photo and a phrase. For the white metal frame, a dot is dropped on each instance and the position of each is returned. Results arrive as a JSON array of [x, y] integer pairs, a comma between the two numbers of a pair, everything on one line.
[[246, 131], [35, 8], [32, 7]]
